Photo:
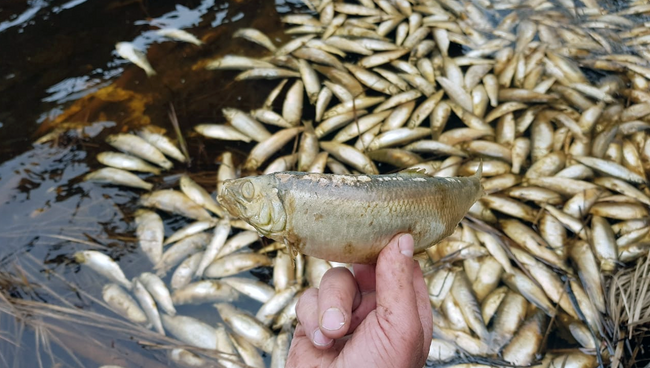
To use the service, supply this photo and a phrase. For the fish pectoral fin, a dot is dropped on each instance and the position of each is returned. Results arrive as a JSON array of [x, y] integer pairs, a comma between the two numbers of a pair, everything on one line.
[[293, 251]]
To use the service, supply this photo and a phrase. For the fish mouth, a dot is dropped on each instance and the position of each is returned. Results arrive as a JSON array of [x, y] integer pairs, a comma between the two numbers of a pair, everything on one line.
[[229, 201]]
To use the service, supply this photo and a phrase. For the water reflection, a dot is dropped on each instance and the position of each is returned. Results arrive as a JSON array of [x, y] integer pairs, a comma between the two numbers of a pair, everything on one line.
[[64, 54], [20, 19]]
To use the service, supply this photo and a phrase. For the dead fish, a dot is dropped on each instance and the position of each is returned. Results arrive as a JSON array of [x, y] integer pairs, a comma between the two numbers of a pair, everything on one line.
[[129, 52], [271, 203], [254, 35], [179, 34], [103, 265], [222, 132], [150, 231], [123, 304], [130, 143], [206, 291], [156, 287], [199, 195], [109, 175], [247, 327], [191, 331], [162, 142], [175, 202], [126, 162], [148, 305]]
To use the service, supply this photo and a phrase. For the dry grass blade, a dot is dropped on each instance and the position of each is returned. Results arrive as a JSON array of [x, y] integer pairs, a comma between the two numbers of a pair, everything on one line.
[[80, 241], [179, 134], [629, 305]]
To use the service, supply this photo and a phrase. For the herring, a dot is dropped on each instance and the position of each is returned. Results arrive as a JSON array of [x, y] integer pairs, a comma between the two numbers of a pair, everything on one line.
[[345, 218]]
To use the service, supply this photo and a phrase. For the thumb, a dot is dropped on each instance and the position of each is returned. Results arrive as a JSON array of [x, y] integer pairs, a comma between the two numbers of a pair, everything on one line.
[[396, 298]]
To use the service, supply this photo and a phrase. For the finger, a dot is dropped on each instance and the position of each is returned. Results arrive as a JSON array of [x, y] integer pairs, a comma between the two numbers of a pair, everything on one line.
[[365, 275], [307, 314], [397, 309], [395, 291], [367, 305], [338, 296], [424, 307], [302, 352]]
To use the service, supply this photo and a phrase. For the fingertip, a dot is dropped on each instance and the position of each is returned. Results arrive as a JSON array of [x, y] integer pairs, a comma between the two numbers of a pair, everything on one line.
[[320, 340], [405, 245]]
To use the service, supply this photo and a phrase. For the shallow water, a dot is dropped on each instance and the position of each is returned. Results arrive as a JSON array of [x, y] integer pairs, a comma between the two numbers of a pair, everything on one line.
[[57, 53]]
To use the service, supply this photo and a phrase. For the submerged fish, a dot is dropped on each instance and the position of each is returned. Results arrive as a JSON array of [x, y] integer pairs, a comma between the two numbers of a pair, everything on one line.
[[128, 51], [180, 35], [350, 218]]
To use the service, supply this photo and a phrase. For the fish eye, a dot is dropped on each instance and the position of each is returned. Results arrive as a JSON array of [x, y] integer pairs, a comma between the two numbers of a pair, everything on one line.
[[248, 190]]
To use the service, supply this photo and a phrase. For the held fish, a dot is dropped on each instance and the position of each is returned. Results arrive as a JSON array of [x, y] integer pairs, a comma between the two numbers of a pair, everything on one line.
[[350, 218]]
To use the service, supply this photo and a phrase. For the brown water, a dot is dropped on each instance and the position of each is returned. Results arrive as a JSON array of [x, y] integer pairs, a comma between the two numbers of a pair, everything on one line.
[[56, 55]]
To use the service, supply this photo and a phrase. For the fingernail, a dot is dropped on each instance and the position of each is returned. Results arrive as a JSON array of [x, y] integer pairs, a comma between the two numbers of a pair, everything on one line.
[[320, 339], [333, 319], [405, 243]]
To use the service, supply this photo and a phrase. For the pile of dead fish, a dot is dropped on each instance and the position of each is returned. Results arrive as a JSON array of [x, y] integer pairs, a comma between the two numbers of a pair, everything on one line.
[[150, 144], [552, 98]]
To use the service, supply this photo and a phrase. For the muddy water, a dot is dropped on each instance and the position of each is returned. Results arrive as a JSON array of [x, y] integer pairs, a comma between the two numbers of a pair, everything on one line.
[[57, 55]]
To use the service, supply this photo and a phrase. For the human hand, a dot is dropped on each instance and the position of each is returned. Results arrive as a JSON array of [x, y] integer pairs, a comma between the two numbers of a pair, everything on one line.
[[380, 317]]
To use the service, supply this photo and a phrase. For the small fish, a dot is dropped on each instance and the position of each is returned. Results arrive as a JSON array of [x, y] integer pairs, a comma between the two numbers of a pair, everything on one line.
[[199, 195], [103, 265], [191, 331], [150, 231], [126, 162], [131, 143], [162, 142], [236, 263], [109, 175], [253, 289], [129, 52], [281, 348], [254, 35], [206, 291], [269, 310], [222, 132], [247, 351], [221, 232], [191, 229], [148, 305], [179, 34], [237, 242], [180, 251], [184, 273], [247, 326], [156, 287], [123, 304], [175, 202], [283, 275]]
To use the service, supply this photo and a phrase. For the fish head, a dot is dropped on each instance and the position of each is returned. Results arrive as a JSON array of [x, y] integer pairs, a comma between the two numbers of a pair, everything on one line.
[[256, 201]]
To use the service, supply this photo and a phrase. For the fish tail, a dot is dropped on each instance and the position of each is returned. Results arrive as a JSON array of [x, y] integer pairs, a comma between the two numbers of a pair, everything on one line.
[[478, 175], [309, 126]]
